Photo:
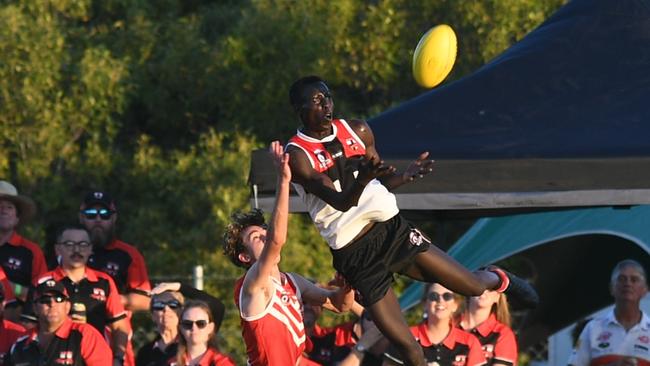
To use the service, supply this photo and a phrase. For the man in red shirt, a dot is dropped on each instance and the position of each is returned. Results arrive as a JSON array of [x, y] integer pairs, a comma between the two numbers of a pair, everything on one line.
[[57, 340], [22, 261], [9, 331], [270, 301], [93, 294], [122, 261]]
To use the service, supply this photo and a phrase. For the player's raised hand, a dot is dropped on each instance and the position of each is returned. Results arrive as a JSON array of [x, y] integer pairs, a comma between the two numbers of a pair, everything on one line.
[[280, 160], [418, 168], [370, 169]]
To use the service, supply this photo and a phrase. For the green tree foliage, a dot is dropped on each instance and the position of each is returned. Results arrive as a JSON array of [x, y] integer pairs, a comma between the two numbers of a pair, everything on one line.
[[161, 102]]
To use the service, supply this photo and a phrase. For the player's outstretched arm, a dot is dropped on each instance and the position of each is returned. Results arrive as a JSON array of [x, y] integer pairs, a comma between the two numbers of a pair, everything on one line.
[[417, 169], [258, 275]]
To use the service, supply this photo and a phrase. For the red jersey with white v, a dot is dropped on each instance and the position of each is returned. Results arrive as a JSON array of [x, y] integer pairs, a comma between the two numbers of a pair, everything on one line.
[[276, 337]]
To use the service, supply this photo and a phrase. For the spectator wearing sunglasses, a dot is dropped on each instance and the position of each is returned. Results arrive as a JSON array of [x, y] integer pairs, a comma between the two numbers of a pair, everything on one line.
[[93, 295], [488, 318], [57, 340], [9, 331], [198, 342], [22, 260], [442, 342], [269, 301], [122, 261], [166, 302]]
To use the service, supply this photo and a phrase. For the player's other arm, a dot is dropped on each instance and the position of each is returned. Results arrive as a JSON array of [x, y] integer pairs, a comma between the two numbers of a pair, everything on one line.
[[392, 179], [337, 299], [322, 186]]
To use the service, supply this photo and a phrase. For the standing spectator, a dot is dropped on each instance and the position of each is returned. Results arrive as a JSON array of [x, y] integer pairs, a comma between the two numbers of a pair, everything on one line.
[[120, 260], [270, 301], [9, 331], [622, 336], [488, 318], [442, 342], [198, 342], [57, 340], [93, 295], [22, 261], [167, 299]]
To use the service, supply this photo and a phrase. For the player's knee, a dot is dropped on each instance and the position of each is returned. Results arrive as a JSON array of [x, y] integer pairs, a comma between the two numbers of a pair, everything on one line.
[[412, 352]]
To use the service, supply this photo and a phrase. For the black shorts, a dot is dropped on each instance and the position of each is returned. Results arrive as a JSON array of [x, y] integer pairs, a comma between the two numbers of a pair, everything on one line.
[[369, 262]]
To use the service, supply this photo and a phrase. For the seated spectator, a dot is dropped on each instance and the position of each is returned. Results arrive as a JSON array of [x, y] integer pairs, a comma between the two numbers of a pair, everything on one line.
[[58, 340], [621, 337], [488, 318], [442, 342], [197, 343], [9, 331], [351, 343], [166, 303], [93, 295], [22, 261]]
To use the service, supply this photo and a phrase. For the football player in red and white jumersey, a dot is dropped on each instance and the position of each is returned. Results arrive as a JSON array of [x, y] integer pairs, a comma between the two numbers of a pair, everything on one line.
[[270, 301]]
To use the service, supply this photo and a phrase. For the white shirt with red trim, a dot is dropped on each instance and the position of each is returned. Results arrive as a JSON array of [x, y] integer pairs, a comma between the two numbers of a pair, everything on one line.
[[604, 340]]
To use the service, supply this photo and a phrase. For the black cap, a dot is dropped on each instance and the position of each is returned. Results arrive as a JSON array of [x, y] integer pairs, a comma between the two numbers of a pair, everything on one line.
[[49, 285], [99, 198]]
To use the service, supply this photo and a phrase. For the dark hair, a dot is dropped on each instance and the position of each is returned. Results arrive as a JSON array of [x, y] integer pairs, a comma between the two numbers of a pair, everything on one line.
[[67, 227], [232, 243], [297, 88]]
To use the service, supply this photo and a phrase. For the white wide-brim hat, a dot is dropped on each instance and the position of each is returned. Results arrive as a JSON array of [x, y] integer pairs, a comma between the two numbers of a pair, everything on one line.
[[25, 206]]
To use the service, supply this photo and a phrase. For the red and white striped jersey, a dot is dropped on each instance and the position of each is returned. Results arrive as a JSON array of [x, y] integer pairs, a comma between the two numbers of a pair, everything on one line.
[[276, 336]]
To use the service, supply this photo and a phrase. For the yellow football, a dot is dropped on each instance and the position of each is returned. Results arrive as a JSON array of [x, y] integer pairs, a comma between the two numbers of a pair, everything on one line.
[[434, 56]]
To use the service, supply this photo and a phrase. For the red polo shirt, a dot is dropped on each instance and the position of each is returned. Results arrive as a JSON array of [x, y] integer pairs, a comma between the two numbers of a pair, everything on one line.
[[96, 293], [22, 260], [459, 348], [6, 287], [72, 344], [497, 340], [125, 264], [211, 357], [9, 333]]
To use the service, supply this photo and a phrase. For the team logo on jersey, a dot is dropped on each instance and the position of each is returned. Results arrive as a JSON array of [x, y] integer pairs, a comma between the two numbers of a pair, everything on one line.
[[416, 238], [65, 358], [352, 144], [604, 337], [112, 268], [14, 263], [603, 345], [644, 339], [459, 360], [98, 294], [488, 350], [323, 160]]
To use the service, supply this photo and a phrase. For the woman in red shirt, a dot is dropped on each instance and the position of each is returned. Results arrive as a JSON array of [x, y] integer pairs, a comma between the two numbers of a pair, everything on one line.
[[197, 344], [488, 318]]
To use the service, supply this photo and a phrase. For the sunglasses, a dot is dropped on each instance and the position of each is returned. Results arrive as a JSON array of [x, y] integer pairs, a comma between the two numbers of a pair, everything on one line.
[[160, 305], [48, 300], [189, 324], [69, 244], [91, 213], [434, 296]]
